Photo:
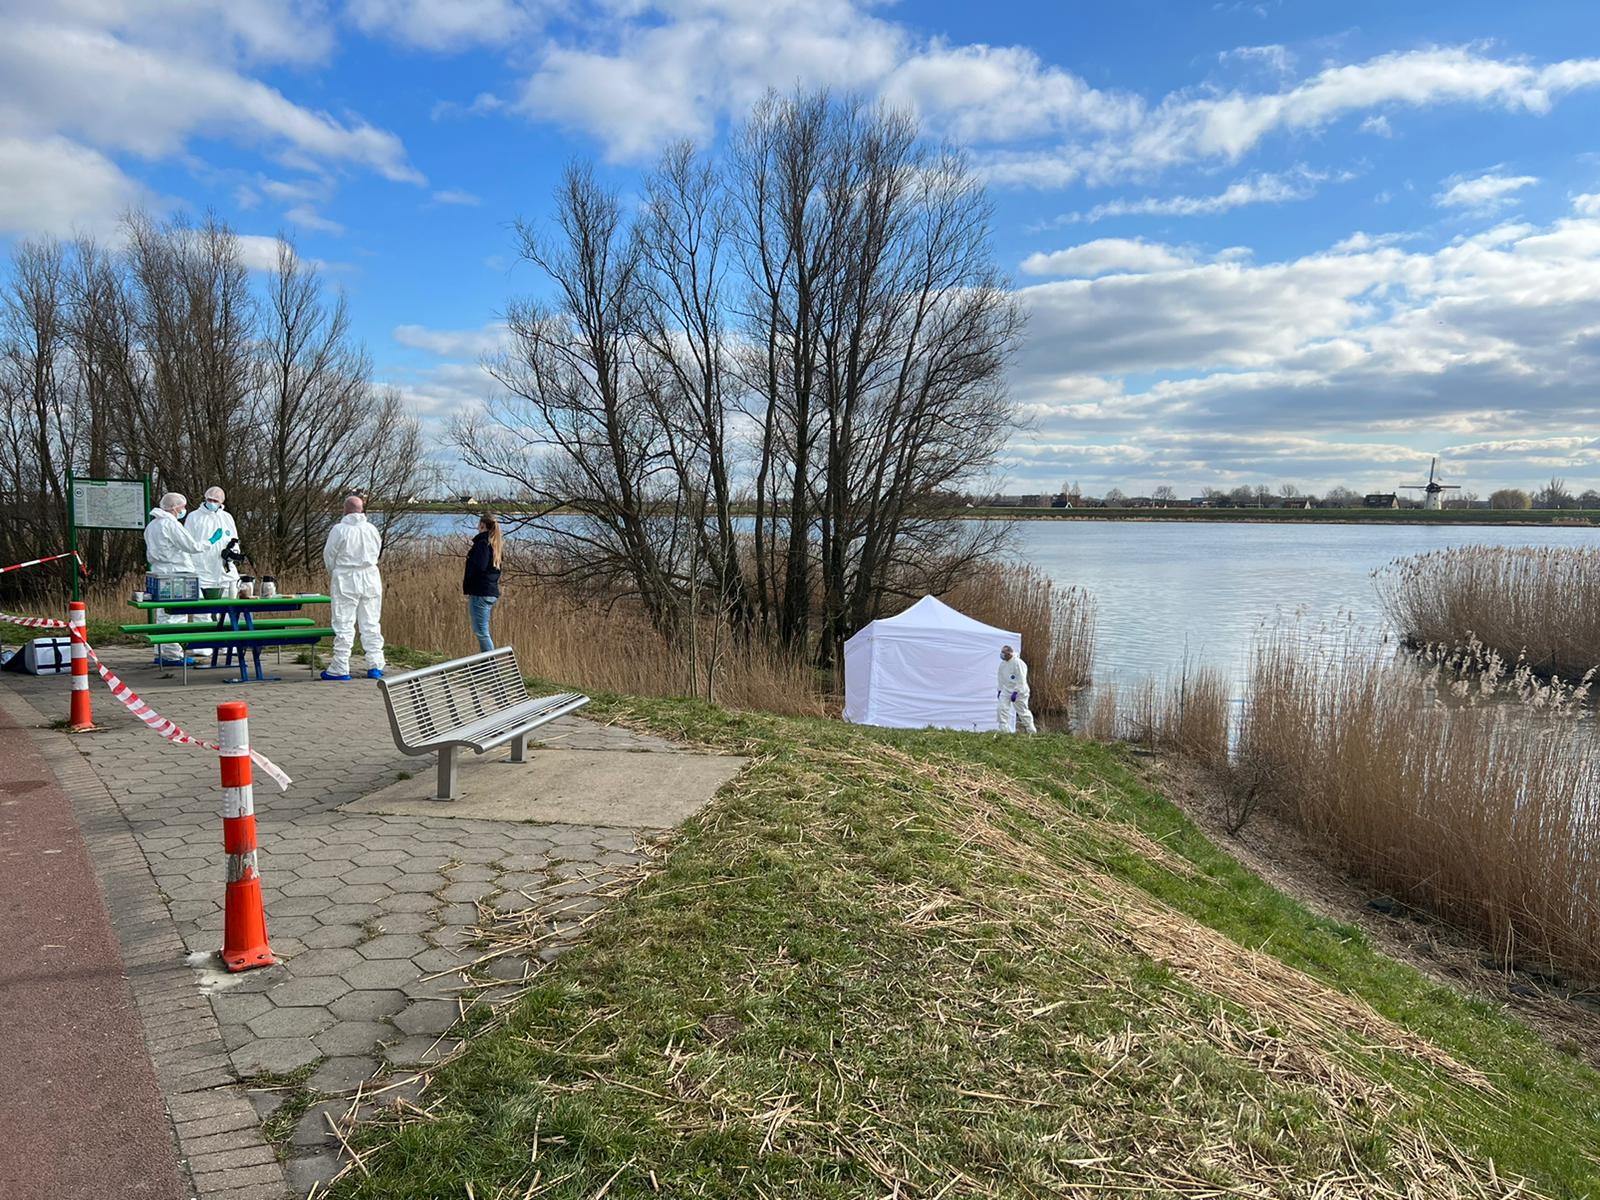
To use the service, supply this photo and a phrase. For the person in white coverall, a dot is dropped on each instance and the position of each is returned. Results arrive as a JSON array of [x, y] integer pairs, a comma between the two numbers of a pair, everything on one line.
[[1014, 692], [212, 526], [171, 550], [356, 588]]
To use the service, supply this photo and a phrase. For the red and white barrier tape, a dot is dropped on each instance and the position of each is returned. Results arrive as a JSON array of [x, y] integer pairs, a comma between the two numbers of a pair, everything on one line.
[[33, 622], [34, 562], [131, 701]]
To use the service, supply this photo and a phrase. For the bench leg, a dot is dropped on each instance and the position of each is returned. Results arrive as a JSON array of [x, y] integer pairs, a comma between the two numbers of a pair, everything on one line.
[[447, 774], [519, 748]]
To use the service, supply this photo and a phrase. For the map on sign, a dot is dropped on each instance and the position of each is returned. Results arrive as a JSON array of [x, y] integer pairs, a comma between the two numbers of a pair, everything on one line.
[[108, 503]]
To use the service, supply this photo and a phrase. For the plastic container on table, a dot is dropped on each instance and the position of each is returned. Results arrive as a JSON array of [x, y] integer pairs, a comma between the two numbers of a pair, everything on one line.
[[172, 587], [247, 587], [269, 586]]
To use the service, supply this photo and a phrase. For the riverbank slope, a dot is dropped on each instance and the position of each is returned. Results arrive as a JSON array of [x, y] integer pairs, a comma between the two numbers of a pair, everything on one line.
[[932, 964]]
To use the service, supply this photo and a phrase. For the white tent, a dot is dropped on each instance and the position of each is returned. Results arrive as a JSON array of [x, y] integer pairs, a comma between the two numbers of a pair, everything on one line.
[[928, 666]]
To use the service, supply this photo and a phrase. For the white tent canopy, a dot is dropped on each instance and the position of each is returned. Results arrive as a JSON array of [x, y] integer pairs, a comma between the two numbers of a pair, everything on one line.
[[931, 665]]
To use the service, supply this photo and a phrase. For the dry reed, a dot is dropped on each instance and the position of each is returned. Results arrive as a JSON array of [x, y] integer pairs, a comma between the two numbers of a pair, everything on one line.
[[1541, 604], [1188, 715], [1437, 793], [1060, 619]]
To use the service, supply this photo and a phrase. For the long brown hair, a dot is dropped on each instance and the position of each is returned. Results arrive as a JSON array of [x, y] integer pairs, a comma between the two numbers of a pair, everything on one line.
[[487, 524]]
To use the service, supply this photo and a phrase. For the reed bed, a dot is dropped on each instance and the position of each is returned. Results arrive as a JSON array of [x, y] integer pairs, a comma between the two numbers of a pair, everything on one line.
[[1438, 789], [1062, 620], [1188, 714], [1537, 603], [590, 645]]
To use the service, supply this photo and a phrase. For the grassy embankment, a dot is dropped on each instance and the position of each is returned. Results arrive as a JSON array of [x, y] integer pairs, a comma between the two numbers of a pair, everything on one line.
[[939, 965]]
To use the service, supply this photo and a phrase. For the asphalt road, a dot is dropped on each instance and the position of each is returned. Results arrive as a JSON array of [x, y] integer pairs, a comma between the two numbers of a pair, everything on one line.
[[80, 1113]]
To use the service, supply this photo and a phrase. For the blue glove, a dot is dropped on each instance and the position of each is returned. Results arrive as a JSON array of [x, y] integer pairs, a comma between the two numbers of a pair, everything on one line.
[[1013, 697]]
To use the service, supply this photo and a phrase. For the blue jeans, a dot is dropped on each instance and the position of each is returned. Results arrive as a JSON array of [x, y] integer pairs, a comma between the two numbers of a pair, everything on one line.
[[480, 606]]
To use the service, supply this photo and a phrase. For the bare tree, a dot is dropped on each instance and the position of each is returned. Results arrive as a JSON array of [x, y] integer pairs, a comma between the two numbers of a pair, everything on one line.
[[1163, 493]]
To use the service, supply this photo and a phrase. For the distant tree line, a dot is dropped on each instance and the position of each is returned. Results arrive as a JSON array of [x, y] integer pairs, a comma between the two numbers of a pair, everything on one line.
[[163, 356], [1554, 495], [811, 319]]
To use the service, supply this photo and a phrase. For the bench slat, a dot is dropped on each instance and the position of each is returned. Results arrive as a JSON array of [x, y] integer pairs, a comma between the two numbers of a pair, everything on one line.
[[227, 637], [500, 726], [199, 626]]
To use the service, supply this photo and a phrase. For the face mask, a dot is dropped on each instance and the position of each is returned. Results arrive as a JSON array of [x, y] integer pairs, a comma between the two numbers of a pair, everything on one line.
[[212, 506], [181, 513]]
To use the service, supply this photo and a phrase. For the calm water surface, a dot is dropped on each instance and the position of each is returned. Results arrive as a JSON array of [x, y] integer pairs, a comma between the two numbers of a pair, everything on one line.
[[1164, 586]]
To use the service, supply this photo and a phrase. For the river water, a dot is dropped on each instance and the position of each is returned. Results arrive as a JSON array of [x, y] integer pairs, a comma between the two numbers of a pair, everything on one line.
[[1169, 588]]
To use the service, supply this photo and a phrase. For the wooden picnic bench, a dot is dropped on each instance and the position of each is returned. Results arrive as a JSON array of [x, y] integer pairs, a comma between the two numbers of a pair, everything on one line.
[[480, 702], [241, 639]]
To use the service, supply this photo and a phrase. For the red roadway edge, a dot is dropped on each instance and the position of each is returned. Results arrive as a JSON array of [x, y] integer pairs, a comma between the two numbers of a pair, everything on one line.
[[81, 1115]]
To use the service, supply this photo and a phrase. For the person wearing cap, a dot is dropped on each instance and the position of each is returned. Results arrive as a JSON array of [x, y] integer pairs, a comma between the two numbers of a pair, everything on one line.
[[1014, 692], [171, 550], [212, 526], [356, 588]]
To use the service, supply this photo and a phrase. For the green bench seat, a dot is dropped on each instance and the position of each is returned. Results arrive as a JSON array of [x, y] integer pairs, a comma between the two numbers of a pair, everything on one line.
[[197, 626], [243, 637]]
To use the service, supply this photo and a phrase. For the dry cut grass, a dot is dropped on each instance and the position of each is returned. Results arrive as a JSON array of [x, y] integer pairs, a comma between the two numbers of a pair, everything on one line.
[[1446, 797], [1539, 603]]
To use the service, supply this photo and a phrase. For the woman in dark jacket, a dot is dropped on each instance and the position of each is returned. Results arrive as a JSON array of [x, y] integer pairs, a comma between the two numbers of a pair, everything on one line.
[[481, 583]]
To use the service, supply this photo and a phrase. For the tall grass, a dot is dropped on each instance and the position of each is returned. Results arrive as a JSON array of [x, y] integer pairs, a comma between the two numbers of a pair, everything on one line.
[[1188, 714], [1538, 603], [1057, 625], [1438, 795]]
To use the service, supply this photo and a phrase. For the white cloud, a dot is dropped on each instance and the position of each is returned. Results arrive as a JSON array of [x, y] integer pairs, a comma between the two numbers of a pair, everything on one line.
[[446, 24], [1349, 359], [1378, 126], [54, 186], [1484, 193], [1587, 205], [1106, 256], [453, 343], [456, 196], [1261, 188], [307, 217]]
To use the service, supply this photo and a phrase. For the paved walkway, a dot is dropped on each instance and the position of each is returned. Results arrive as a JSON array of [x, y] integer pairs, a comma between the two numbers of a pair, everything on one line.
[[80, 1114], [374, 916]]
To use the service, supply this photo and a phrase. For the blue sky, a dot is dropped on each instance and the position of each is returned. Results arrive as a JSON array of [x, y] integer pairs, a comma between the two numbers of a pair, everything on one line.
[[1257, 242]]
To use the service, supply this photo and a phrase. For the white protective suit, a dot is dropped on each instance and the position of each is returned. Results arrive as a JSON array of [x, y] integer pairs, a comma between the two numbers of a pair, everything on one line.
[[1013, 681], [170, 550], [356, 588], [214, 530]]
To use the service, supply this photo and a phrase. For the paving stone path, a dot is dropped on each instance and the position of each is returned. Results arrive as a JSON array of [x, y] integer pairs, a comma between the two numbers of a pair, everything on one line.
[[372, 916]]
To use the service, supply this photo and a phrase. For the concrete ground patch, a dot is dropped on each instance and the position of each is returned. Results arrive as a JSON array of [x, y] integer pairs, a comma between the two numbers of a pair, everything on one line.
[[619, 788]]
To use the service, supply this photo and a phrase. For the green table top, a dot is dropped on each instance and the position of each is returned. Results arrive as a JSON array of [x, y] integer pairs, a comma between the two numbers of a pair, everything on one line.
[[255, 603]]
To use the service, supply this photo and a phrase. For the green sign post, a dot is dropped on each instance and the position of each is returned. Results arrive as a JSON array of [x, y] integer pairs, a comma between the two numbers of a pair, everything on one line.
[[104, 504]]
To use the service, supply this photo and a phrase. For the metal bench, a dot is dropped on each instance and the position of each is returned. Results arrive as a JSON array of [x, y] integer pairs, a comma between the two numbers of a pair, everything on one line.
[[479, 702]]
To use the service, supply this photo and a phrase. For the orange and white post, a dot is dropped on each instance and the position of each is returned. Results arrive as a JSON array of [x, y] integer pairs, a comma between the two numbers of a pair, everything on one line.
[[244, 928], [82, 718]]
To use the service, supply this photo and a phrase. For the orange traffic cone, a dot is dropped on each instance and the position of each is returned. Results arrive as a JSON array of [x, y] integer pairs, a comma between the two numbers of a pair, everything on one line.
[[81, 715], [244, 928]]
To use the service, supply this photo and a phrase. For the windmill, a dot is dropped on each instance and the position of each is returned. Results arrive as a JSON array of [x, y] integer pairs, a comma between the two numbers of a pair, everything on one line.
[[1434, 500]]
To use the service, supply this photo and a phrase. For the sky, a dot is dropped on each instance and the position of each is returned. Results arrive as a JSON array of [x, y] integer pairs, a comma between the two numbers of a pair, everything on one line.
[[1256, 242]]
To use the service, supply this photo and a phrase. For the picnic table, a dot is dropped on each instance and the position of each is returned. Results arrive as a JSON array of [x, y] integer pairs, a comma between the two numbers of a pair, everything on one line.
[[241, 624]]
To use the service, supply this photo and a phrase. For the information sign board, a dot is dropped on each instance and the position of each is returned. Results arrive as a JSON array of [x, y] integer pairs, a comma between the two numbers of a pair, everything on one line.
[[108, 503]]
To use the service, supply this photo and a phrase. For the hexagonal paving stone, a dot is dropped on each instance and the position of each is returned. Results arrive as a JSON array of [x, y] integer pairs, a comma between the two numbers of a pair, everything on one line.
[[406, 922], [431, 961], [348, 1038], [360, 893], [369, 1005], [419, 1051], [428, 1017], [467, 890], [311, 990], [381, 973], [278, 1055], [324, 937], [291, 1023], [343, 1073], [311, 1130], [305, 1172], [239, 1007], [371, 874], [332, 961], [393, 945], [412, 902]]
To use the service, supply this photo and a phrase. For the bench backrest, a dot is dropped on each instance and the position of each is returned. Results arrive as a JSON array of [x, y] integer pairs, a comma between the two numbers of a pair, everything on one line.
[[426, 704]]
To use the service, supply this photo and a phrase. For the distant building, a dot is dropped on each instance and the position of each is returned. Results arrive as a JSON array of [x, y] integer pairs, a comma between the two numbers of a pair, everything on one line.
[[1380, 500]]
